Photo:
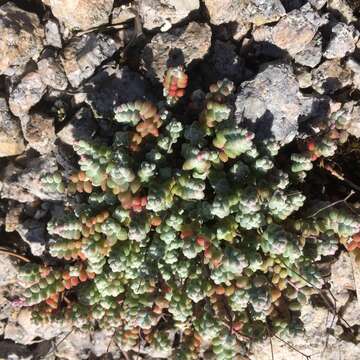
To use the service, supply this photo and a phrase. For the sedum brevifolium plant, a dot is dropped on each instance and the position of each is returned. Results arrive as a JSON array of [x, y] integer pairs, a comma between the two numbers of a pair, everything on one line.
[[189, 228]]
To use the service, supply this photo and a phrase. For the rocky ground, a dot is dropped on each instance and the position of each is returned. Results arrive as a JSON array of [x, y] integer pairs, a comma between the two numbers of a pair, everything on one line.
[[65, 64]]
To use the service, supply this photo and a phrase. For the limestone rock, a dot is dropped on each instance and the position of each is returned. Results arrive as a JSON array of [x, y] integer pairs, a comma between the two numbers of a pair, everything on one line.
[[82, 14], [24, 184], [52, 34], [112, 87], [21, 38], [312, 52], [33, 232], [39, 132], [8, 271], [262, 102], [342, 278], [26, 94], [83, 55], [11, 139], [81, 127], [156, 13], [330, 76], [52, 73], [297, 29], [342, 42], [258, 12], [343, 7], [182, 45], [23, 330]]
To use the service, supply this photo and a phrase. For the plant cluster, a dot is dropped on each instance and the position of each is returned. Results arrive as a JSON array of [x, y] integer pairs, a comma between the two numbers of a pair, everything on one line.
[[194, 228]]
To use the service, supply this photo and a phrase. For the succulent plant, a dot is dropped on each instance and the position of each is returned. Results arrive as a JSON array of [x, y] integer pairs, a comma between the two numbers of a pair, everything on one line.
[[191, 226]]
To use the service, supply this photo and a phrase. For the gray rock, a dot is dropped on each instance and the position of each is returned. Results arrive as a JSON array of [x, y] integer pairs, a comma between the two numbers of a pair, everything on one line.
[[26, 94], [312, 53], [21, 38], [157, 13], [342, 7], [8, 271], [330, 76], [343, 41], [81, 127], [76, 346], [180, 46], [23, 330], [314, 106], [84, 54], [52, 73], [257, 12], [318, 4], [297, 29], [39, 132], [11, 351], [262, 102], [33, 232], [11, 138], [112, 87], [24, 184], [82, 14], [342, 278], [52, 34]]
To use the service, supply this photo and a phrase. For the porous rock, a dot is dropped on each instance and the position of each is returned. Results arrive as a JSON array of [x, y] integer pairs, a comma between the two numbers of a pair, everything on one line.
[[82, 14], [81, 127], [112, 87], [297, 29], [21, 38], [26, 94], [342, 7], [52, 73], [180, 46], [312, 52], [39, 132], [257, 12], [52, 34], [23, 330], [84, 54], [262, 102], [11, 138], [330, 76], [344, 38], [24, 184], [156, 13]]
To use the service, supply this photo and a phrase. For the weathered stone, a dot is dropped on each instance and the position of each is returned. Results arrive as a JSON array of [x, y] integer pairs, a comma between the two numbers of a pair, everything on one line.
[[52, 34], [318, 4], [84, 54], [13, 215], [39, 132], [33, 232], [8, 271], [262, 102], [342, 278], [112, 87], [24, 331], [21, 38], [81, 127], [52, 73], [11, 351], [180, 46], [156, 13], [342, 7], [122, 14], [24, 184], [312, 53], [76, 346], [11, 139], [82, 14], [343, 41], [258, 12], [296, 30], [26, 94], [330, 76]]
